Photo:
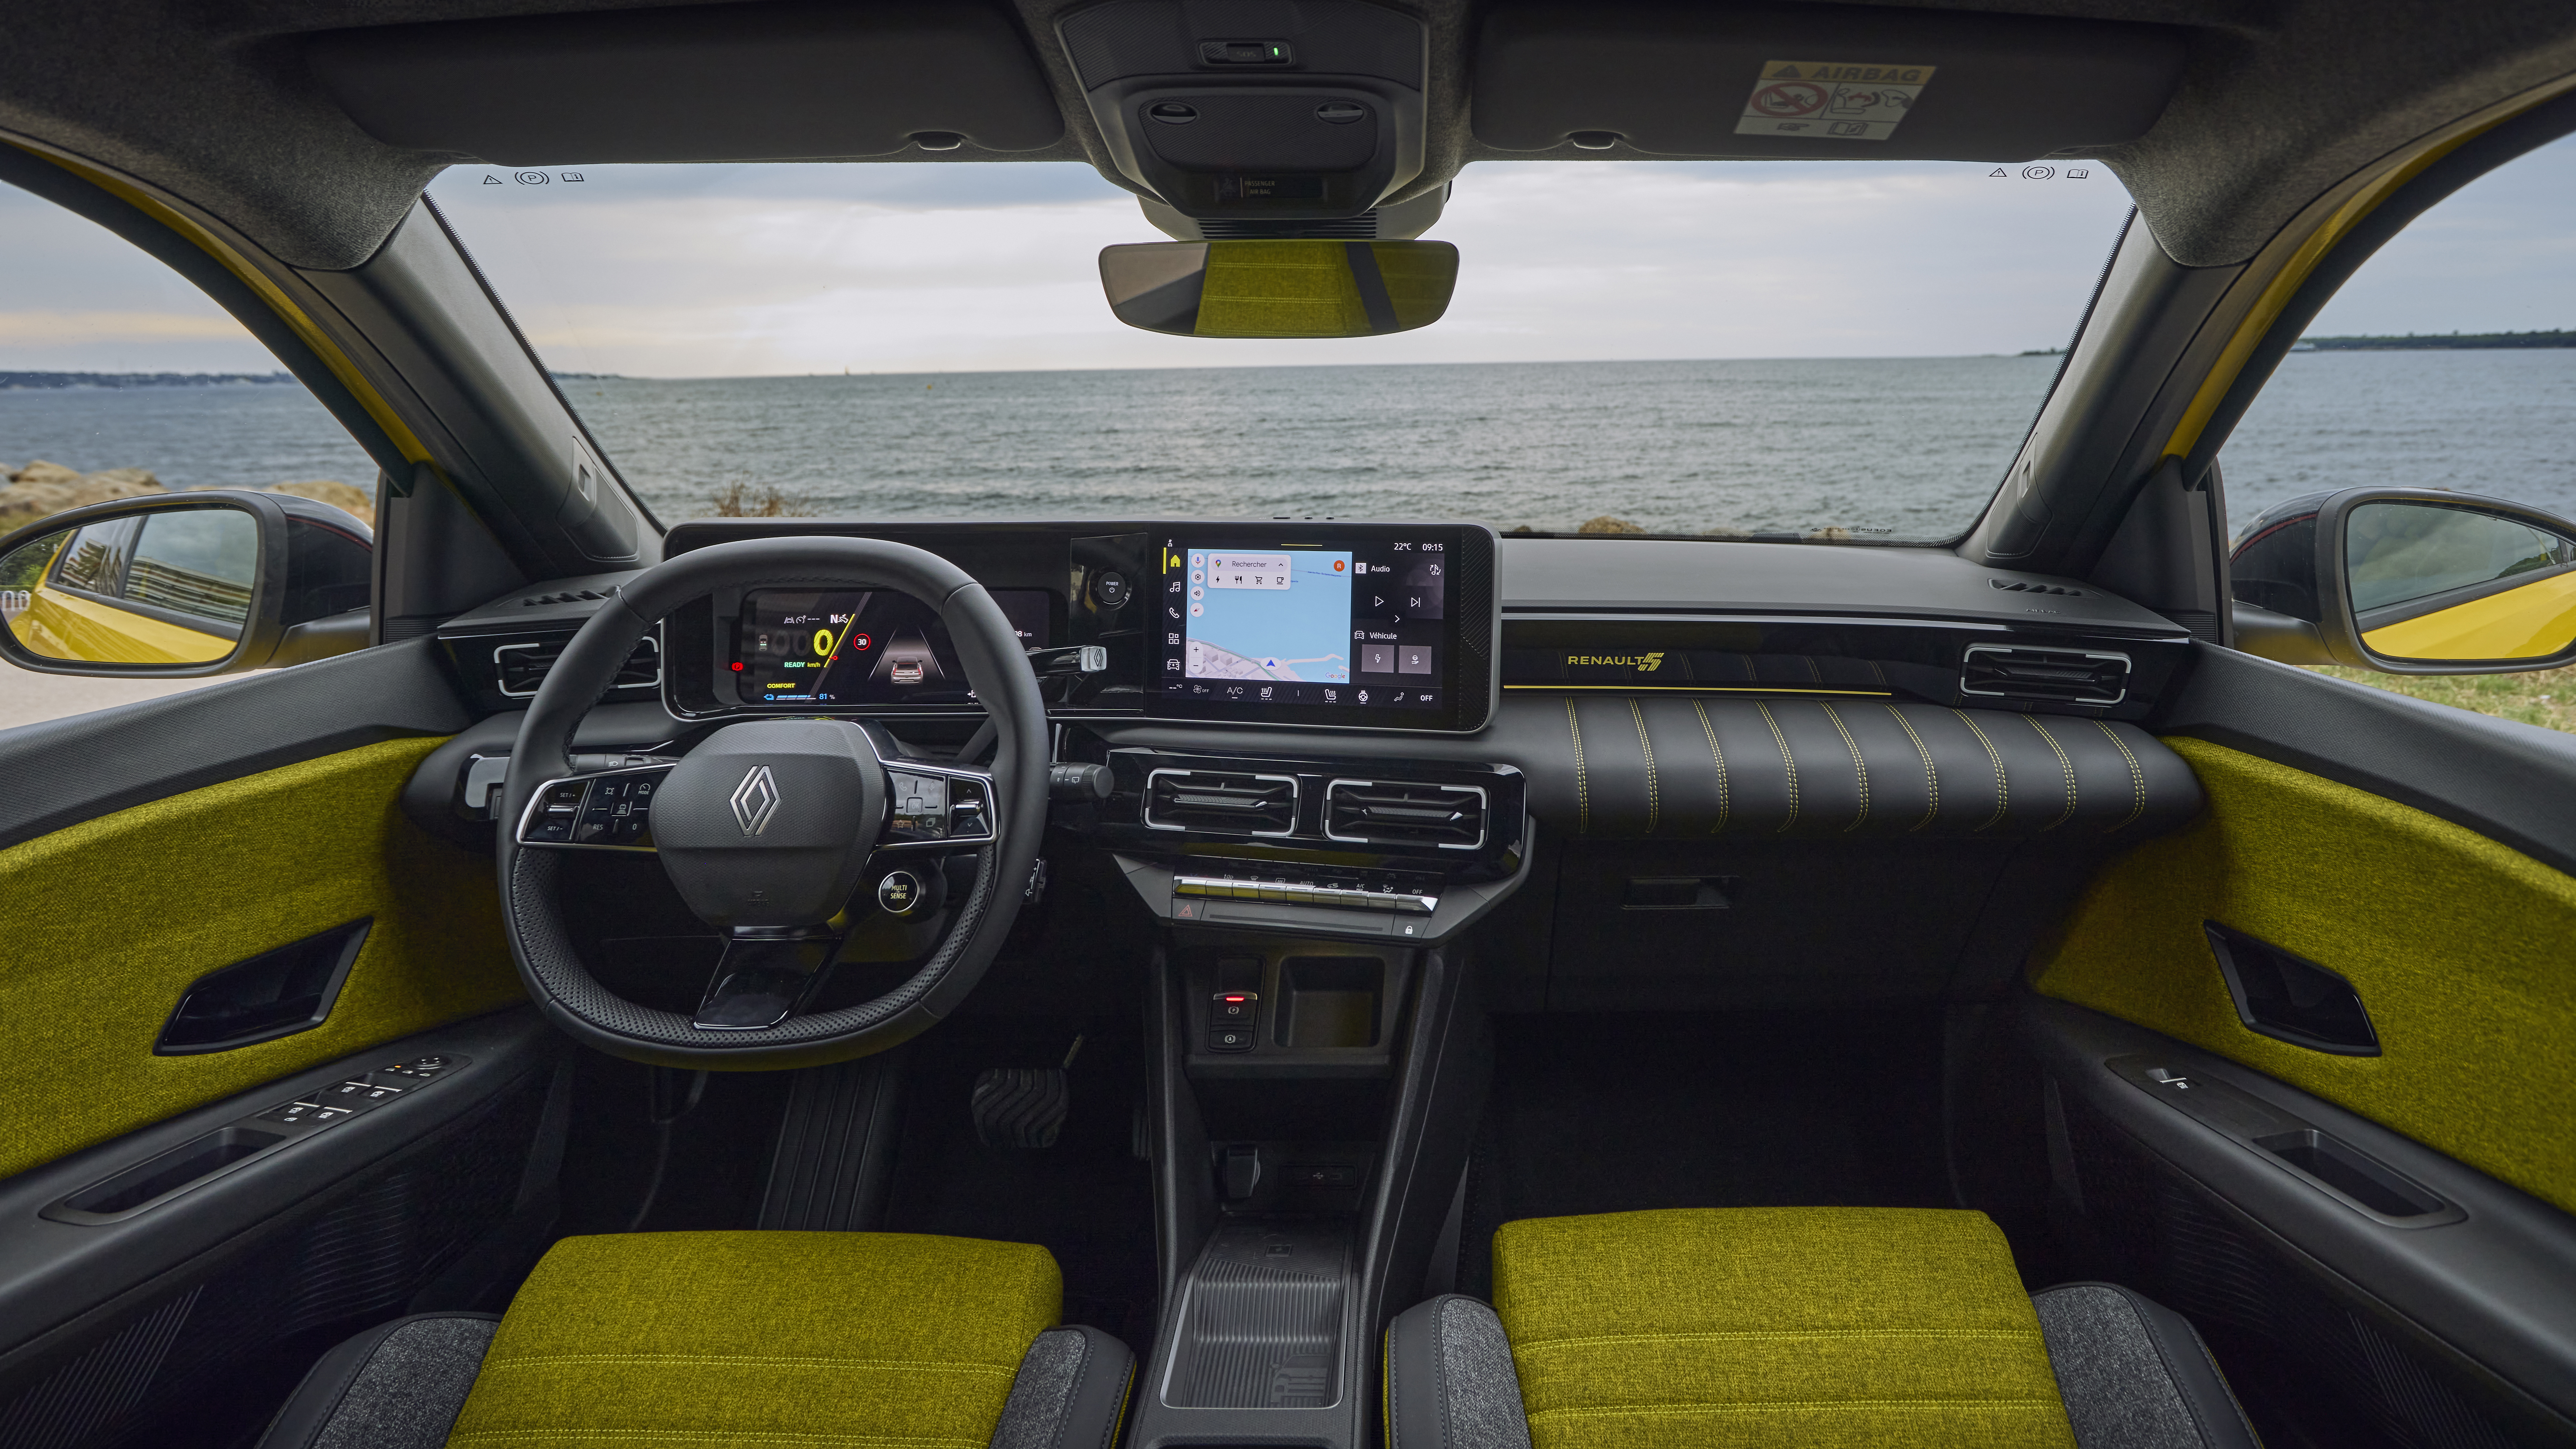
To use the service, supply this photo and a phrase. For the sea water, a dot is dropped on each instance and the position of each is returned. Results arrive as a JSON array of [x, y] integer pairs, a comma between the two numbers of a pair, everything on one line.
[[1889, 448]]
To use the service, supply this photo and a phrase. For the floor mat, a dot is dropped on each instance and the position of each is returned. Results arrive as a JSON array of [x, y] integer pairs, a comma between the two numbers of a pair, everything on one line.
[[1614, 1113], [1087, 1199]]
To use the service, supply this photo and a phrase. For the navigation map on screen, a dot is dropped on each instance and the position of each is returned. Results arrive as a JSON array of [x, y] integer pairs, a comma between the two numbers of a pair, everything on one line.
[[1269, 616]]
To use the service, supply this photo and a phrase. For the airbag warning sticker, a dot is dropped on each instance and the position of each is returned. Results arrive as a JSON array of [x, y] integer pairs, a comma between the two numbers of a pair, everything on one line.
[[1831, 99]]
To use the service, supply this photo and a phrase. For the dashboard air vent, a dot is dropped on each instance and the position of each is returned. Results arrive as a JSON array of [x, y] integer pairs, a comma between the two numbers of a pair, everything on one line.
[[1393, 812], [1220, 800], [2044, 676]]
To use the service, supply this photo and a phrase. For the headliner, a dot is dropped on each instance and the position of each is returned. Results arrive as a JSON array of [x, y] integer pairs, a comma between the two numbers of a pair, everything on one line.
[[211, 101]]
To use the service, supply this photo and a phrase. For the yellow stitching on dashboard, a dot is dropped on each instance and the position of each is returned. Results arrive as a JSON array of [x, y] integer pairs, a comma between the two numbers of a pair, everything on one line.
[[1654, 798], [2003, 787], [1788, 762], [1860, 767], [2137, 778], [1582, 781], [2065, 767], [1875, 672], [1931, 776], [1718, 755]]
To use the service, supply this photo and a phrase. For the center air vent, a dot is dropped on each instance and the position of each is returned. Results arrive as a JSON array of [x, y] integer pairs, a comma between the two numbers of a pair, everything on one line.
[[1216, 800], [1391, 812], [2044, 676]]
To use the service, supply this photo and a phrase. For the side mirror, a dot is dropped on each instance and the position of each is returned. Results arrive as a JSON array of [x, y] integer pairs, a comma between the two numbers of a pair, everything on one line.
[[1285, 288], [185, 584], [2408, 581]]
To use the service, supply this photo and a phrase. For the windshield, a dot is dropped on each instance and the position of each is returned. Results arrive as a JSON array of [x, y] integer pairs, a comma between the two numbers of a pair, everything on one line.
[[1834, 350]]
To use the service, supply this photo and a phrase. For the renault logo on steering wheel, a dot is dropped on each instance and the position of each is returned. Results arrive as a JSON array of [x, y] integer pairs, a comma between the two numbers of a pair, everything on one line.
[[755, 800]]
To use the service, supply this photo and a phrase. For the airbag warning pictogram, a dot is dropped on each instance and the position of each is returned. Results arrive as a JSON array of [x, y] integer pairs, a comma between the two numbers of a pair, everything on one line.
[[1832, 100]]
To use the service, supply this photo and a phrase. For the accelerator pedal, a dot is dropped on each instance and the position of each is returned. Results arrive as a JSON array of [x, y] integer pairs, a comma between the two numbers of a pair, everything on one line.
[[1023, 1107]]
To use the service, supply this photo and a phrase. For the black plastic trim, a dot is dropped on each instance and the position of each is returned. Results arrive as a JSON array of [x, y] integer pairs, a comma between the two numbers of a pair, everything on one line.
[[58, 1280], [334, 950], [2492, 1294], [64, 771], [2512, 783]]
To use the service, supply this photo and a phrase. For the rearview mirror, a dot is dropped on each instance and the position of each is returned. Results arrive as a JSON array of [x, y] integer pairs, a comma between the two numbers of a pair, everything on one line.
[[2409, 581], [182, 585], [1287, 288]]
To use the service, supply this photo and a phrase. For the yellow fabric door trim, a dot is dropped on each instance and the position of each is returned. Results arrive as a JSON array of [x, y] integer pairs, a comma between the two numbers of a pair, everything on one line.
[[2458, 946], [108, 921], [756, 1339], [1828, 1328]]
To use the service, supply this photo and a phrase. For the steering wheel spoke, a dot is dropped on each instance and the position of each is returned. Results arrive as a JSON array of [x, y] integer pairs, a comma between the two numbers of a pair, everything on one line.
[[601, 810]]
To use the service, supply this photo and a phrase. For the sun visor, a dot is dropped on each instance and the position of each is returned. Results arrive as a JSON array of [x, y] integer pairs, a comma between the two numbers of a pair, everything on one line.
[[752, 82], [1816, 81]]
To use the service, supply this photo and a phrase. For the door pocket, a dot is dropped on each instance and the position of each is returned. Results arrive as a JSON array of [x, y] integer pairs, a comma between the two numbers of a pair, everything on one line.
[[2290, 998], [274, 994]]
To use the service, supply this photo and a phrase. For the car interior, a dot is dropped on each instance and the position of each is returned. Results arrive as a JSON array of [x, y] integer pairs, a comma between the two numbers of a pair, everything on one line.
[[1192, 980]]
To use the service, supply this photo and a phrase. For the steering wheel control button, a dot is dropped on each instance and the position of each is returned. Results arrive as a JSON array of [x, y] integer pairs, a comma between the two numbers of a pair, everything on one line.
[[920, 807], [899, 893]]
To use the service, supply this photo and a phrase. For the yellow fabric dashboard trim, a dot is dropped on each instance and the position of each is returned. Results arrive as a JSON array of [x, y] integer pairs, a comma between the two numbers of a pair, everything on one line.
[[1829, 1328], [2457, 944], [108, 922], [739, 1339]]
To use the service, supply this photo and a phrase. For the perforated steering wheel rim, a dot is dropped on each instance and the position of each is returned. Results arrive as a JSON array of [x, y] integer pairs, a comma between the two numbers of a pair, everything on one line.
[[996, 666]]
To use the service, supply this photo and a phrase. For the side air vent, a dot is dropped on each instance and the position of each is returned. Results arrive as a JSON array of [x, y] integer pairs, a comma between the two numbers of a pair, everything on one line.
[[1390, 812], [523, 666], [1216, 800], [2044, 676]]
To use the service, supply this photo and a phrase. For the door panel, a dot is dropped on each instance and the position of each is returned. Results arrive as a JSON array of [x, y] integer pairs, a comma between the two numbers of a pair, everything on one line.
[[2456, 945], [112, 919]]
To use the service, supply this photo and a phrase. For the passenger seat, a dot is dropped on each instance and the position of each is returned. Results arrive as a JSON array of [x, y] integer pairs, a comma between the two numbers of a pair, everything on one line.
[[1824, 1328]]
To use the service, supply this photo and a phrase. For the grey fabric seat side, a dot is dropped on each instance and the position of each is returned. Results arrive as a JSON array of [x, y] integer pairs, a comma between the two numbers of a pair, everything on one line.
[[2135, 1374], [398, 1385], [1450, 1383], [1070, 1392]]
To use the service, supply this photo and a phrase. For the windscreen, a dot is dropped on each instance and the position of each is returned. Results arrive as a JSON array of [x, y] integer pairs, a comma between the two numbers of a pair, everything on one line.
[[1835, 350]]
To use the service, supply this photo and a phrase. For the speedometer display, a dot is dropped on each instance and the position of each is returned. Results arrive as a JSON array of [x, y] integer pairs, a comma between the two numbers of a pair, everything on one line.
[[861, 647]]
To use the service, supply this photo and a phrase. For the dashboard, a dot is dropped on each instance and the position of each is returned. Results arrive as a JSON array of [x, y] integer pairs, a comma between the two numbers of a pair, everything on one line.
[[1345, 731]]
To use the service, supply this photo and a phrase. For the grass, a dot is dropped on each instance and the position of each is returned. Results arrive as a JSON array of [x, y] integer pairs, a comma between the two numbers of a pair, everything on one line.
[[2544, 697]]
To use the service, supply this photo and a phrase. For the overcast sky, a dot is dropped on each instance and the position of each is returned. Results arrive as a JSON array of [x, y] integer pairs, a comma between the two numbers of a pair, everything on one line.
[[742, 270]]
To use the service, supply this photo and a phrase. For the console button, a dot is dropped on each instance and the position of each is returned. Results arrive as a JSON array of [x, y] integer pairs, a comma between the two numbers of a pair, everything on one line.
[[1234, 1007], [1230, 1039]]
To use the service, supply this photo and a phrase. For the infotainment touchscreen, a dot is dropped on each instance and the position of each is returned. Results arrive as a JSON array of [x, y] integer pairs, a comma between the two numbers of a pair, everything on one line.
[[860, 647], [1372, 625]]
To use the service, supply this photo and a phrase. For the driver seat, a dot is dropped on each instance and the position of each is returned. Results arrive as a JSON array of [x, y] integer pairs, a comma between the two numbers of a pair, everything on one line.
[[799, 1340]]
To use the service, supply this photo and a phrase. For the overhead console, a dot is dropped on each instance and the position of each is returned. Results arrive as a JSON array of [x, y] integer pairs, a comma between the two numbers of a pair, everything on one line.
[[1255, 112]]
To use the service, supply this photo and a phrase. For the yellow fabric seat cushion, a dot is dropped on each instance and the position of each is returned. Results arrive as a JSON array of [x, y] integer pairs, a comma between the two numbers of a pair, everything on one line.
[[762, 1340], [1816, 1327]]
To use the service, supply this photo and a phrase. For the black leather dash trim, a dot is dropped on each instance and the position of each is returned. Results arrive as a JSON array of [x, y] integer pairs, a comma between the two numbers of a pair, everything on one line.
[[1671, 768], [61, 772]]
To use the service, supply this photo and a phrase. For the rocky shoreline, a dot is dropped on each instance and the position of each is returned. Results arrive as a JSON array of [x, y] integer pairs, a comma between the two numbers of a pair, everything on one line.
[[42, 489]]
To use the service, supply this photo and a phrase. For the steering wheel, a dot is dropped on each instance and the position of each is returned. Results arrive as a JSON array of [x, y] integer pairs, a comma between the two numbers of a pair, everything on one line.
[[767, 827]]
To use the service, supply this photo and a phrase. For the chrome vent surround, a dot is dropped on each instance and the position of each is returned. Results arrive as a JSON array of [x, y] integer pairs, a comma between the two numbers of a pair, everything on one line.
[[1243, 804], [1399, 812], [2044, 676]]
